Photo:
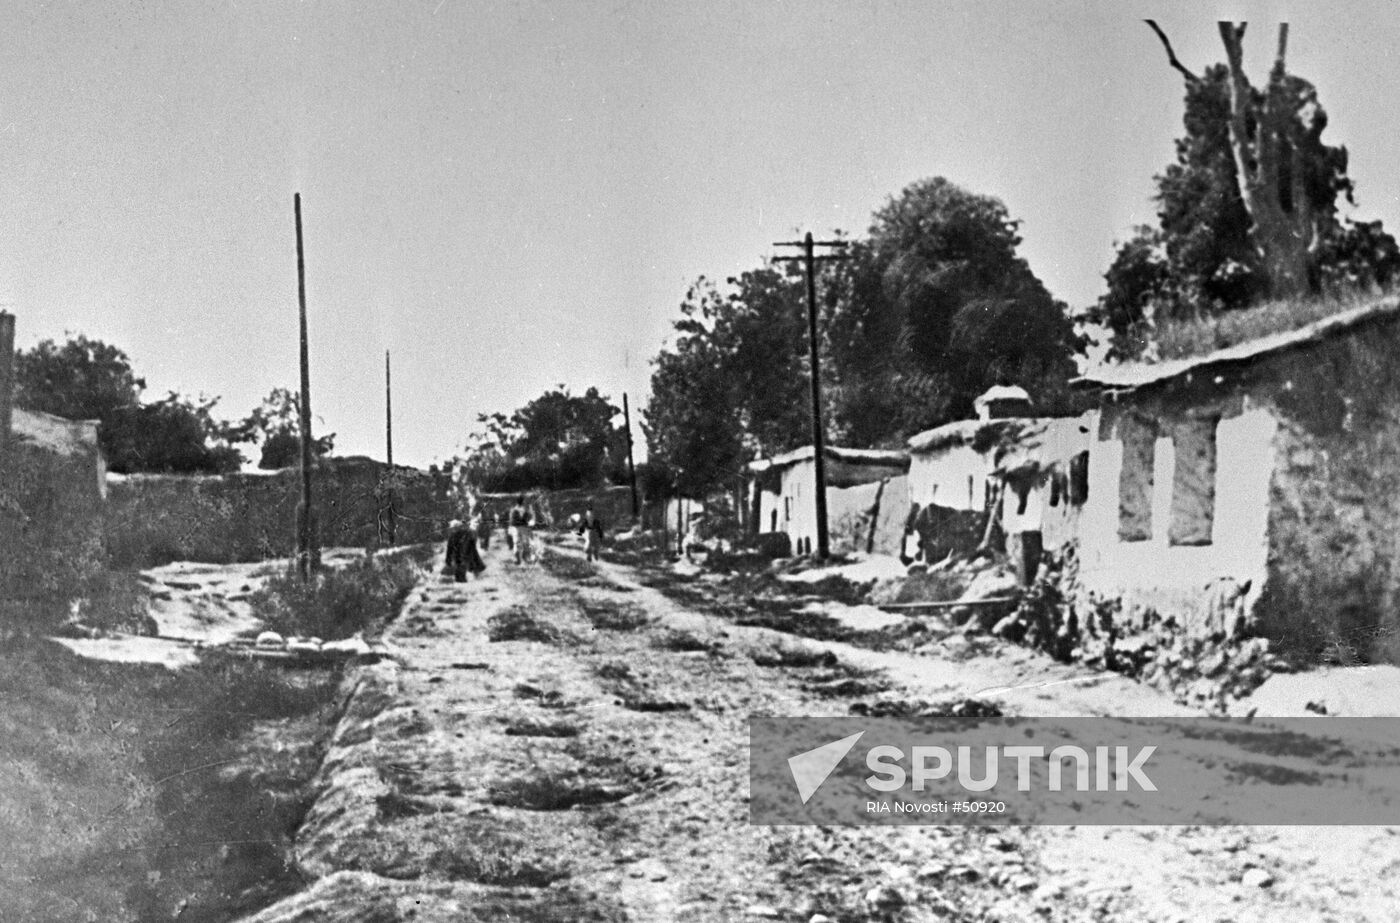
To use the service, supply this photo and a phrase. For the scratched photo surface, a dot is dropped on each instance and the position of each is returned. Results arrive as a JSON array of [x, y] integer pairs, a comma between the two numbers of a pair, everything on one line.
[[453, 451]]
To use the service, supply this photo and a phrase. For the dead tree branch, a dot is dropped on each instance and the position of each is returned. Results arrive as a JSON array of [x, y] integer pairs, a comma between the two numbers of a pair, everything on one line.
[[1171, 55]]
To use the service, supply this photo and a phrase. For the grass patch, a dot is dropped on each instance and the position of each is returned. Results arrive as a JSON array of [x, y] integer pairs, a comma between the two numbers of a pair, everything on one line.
[[115, 601], [845, 683], [362, 596], [615, 672], [784, 655], [646, 704], [684, 642], [529, 728], [1180, 338], [517, 624], [131, 789], [567, 567], [605, 617], [555, 792]]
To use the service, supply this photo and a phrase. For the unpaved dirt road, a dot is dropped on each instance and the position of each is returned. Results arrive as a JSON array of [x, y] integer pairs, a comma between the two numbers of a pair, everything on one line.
[[563, 742]]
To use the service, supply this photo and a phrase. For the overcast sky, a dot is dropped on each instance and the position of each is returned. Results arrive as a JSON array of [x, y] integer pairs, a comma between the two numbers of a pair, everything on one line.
[[510, 196]]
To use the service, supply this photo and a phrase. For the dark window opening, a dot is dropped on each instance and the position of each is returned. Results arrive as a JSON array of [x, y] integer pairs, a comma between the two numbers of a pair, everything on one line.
[[1079, 479]]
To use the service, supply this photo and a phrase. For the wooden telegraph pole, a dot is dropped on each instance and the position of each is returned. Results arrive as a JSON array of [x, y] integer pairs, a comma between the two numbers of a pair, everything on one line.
[[390, 524], [631, 466], [7, 383], [308, 554], [810, 259]]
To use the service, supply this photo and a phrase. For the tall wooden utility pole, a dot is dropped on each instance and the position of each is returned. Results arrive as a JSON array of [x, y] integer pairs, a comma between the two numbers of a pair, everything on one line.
[[391, 526], [810, 258], [308, 554], [7, 383], [631, 466]]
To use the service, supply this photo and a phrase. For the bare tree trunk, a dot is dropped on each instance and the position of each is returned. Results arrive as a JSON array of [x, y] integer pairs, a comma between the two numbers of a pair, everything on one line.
[[1282, 235]]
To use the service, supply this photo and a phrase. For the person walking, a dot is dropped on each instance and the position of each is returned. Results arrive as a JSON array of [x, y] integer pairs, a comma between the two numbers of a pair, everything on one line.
[[462, 556], [481, 525], [520, 523], [591, 528], [455, 565]]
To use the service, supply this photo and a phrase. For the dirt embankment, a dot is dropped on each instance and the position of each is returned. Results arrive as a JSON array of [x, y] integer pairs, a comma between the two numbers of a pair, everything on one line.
[[131, 792], [163, 776]]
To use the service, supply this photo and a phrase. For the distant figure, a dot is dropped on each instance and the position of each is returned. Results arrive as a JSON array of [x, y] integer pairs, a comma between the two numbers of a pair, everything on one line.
[[462, 555], [481, 525], [520, 523], [591, 528]]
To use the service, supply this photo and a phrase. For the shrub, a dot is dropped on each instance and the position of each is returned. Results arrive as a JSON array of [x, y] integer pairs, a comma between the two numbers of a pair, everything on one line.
[[359, 597]]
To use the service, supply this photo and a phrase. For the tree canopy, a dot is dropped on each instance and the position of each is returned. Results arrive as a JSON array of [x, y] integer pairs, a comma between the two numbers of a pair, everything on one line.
[[87, 379], [558, 440], [924, 314], [1248, 210], [276, 422], [81, 379]]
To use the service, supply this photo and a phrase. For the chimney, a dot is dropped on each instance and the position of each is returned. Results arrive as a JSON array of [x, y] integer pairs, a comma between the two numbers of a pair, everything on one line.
[[1002, 401]]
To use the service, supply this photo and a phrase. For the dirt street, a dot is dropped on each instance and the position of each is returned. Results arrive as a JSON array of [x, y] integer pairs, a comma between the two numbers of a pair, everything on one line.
[[566, 742]]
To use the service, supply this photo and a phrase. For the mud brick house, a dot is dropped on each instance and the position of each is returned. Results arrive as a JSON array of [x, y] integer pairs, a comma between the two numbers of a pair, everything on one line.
[[1031, 472], [866, 498], [1256, 489]]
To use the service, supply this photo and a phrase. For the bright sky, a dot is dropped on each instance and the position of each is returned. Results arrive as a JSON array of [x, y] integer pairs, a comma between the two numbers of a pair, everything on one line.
[[510, 196]]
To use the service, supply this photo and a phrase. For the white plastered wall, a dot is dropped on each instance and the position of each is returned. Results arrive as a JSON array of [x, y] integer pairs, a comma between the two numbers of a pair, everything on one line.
[[954, 478], [1174, 578]]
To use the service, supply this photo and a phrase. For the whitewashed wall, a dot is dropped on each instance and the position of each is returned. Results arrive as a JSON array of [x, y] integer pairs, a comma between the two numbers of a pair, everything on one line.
[[1173, 578]]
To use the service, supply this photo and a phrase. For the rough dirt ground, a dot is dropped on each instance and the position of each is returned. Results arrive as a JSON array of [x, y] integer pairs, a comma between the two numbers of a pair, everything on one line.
[[568, 743]]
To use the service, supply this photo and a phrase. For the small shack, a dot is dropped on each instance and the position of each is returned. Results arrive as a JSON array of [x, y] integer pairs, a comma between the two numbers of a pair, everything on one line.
[[1256, 489], [866, 498]]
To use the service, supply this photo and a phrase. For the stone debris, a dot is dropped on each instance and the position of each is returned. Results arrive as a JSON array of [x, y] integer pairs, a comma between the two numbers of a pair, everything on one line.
[[1256, 878], [884, 898]]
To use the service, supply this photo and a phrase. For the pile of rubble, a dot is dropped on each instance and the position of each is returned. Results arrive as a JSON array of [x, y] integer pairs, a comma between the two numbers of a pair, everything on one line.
[[1205, 671]]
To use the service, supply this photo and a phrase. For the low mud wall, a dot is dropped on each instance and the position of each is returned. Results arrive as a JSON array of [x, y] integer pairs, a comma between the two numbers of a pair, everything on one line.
[[51, 541], [154, 519]]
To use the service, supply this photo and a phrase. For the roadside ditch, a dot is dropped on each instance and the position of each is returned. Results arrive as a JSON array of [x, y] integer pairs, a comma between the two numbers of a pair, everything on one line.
[[132, 791]]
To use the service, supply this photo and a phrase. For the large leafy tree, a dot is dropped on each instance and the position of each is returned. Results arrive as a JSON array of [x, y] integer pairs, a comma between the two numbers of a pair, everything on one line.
[[969, 311], [736, 381], [87, 379], [920, 318], [81, 379], [174, 435], [557, 440], [1248, 210], [691, 427]]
